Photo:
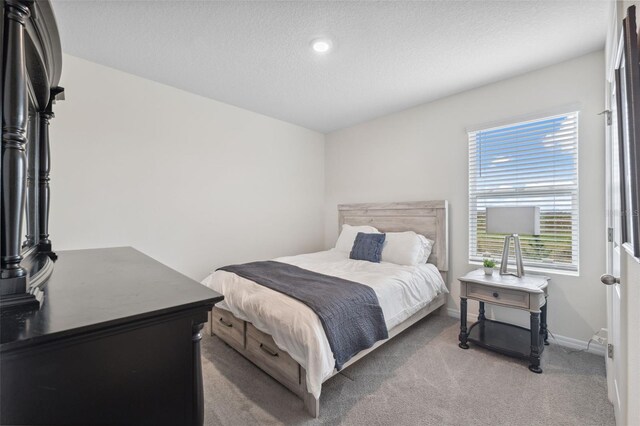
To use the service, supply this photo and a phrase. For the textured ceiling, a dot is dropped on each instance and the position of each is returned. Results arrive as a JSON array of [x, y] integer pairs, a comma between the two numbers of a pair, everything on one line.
[[387, 56]]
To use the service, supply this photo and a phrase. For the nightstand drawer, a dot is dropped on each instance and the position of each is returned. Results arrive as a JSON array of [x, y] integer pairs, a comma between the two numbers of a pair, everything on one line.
[[501, 296]]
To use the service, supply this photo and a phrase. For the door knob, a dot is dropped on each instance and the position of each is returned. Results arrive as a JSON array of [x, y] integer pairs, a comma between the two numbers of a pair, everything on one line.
[[609, 279]]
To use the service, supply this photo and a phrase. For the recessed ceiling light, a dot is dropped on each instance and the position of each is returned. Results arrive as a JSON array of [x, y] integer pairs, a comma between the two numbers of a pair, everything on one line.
[[321, 45]]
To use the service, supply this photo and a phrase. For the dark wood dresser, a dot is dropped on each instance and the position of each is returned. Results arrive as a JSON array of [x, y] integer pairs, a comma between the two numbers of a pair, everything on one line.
[[116, 341]]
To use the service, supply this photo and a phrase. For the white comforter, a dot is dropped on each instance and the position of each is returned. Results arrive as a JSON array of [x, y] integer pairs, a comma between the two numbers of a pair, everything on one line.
[[401, 290]]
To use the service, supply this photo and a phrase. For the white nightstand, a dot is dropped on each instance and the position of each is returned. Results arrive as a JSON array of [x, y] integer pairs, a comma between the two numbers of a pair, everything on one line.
[[528, 293]]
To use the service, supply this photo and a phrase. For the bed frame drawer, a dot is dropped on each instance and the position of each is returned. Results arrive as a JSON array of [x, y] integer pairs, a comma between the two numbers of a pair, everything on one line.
[[262, 347], [501, 296], [228, 327]]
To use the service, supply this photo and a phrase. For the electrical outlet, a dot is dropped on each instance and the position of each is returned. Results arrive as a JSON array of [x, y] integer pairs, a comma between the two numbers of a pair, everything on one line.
[[600, 337]]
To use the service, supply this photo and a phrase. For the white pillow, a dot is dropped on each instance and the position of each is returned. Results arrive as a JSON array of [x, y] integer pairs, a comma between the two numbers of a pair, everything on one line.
[[348, 236], [406, 248], [427, 246]]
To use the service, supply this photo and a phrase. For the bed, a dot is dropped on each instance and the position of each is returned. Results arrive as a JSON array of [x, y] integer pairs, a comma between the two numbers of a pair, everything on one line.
[[285, 338]]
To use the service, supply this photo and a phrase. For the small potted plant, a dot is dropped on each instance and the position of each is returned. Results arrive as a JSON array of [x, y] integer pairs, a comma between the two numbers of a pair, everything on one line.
[[488, 264]]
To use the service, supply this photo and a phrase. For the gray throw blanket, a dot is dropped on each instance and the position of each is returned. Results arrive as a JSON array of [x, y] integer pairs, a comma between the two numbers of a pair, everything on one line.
[[349, 312]]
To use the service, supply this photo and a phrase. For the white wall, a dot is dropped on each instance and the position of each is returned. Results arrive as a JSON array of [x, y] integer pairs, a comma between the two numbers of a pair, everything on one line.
[[422, 154], [192, 182], [196, 183]]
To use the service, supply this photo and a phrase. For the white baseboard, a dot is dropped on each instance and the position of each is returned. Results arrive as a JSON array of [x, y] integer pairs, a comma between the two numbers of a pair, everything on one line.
[[567, 342]]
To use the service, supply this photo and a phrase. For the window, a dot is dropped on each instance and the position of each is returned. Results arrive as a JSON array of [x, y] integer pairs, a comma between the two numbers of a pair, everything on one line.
[[532, 163]]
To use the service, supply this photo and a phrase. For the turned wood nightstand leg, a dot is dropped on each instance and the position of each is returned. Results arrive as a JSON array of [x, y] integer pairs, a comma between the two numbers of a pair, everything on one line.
[[534, 358], [481, 316], [463, 324], [543, 324], [481, 319]]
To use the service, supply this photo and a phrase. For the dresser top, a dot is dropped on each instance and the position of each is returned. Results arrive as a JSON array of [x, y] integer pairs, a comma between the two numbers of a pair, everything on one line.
[[528, 283], [93, 289]]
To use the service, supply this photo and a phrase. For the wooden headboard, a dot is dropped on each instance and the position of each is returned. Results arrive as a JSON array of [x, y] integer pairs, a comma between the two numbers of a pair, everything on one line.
[[429, 218]]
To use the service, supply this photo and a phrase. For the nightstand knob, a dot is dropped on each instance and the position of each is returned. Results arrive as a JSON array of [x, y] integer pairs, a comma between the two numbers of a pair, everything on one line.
[[495, 295]]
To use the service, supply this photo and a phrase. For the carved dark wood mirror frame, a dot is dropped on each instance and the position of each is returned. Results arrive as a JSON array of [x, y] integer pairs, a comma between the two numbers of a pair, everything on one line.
[[628, 107], [31, 68]]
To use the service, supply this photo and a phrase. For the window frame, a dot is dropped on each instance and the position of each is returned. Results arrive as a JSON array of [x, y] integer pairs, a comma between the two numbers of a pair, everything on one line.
[[573, 191]]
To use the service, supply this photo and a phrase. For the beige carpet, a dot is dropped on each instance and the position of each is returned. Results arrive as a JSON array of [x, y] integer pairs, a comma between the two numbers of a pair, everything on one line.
[[419, 378]]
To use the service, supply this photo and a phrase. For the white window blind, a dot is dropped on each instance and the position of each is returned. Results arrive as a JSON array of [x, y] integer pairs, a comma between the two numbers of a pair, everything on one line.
[[533, 163]]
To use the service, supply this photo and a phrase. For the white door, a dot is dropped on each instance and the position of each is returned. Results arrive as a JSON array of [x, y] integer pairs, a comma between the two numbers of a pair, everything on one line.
[[615, 292], [623, 269]]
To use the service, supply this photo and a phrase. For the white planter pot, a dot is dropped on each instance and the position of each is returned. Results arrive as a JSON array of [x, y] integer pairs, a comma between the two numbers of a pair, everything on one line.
[[488, 271]]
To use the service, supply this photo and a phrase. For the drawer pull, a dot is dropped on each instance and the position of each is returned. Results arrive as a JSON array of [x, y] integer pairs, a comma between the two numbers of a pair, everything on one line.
[[268, 350], [495, 295], [226, 324]]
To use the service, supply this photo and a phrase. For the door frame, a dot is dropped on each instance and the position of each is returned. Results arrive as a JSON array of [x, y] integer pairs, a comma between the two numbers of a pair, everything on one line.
[[627, 352], [613, 253]]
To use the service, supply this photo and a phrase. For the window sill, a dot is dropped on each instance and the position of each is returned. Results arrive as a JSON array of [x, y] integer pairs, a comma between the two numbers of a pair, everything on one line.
[[539, 270]]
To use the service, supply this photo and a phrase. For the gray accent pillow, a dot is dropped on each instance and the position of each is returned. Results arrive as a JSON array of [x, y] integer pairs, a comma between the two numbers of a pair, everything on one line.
[[367, 247]]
